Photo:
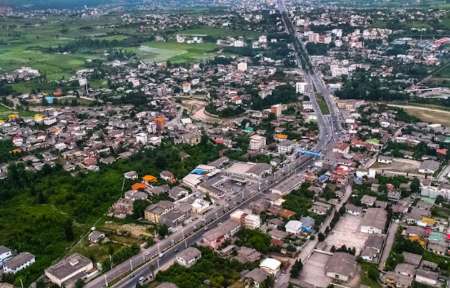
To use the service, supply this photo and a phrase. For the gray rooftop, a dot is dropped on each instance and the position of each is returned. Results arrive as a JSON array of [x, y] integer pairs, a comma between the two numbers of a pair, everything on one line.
[[342, 263], [68, 266], [18, 260]]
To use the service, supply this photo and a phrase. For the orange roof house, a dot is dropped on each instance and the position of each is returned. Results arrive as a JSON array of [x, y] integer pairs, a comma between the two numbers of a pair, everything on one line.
[[138, 186], [150, 179], [286, 214], [280, 136]]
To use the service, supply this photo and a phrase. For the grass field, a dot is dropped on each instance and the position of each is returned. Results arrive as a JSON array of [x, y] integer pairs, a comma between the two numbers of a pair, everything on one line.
[[221, 32], [4, 112], [175, 52], [428, 114], [322, 104]]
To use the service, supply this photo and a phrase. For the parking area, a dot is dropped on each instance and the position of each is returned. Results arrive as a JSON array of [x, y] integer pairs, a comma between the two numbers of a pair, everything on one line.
[[347, 233], [313, 271]]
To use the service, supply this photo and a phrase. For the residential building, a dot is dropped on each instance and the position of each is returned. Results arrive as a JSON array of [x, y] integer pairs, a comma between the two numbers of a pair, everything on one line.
[[18, 262], [188, 257], [154, 212]]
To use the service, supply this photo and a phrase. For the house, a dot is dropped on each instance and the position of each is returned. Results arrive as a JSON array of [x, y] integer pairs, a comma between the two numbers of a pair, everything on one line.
[[271, 266], [200, 206], [247, 255], [18, 262], [394, 280], [168, 176], [293, 227], [255, 278], [412, 259], [320, 208], [178, 192], [69, 270], [308, 224], [367, 200], [122, 208], [430, 278], [374, 221], [154, 212], [5, 253], [405, 269], [429, 167], [96, 236], [384, 159], [188, 257], [214, 238], [341, 266], [353, 210], [372, 248]]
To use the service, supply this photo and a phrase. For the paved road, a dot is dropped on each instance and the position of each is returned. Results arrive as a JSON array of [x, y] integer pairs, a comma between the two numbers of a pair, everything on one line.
[[392, 231]]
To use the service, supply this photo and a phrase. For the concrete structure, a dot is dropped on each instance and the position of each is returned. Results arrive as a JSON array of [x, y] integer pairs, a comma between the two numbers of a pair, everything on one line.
[[216, 237], [188, 257], [69, 270], [154, 212], [341, 266], [374, 221], [257, 142]]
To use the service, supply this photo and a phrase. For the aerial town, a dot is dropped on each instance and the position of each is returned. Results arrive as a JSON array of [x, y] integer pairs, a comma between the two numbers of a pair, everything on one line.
[[241, 144]]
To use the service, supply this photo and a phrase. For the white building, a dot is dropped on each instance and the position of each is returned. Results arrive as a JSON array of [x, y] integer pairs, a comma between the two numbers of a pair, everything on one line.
[[188, 257], [300, 87], [293, 227], [5, 253], [252, 221], [142, 138], [442, 189], [270, 266], [242, 66], [18, 262], [70, 269], [257, 142], [200, 206]]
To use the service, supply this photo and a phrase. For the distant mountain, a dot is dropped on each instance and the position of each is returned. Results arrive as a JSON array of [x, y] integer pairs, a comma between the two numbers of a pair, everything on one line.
[[55, 3]]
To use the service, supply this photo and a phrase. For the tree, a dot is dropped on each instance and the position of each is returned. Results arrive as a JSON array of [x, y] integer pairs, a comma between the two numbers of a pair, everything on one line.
[[163, 230], [139, 208], [321, 237], [415, 186], [296, 269], [79, 284], [68, 230]]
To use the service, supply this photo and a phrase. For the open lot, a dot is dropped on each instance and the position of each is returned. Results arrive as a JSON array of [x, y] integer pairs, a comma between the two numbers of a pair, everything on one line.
[[347, 233], [432, 115], [399, 165], [175, 52], [313, 271]]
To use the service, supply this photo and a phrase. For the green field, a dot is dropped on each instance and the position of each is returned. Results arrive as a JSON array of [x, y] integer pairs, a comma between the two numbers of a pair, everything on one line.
[[175, 52], [4, 112], [221, 32]]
